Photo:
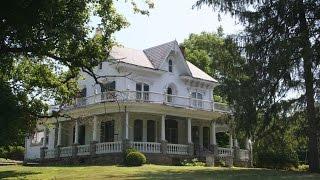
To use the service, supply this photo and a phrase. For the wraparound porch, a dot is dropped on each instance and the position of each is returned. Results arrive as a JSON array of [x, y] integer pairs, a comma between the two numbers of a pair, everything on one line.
[[148, 133]]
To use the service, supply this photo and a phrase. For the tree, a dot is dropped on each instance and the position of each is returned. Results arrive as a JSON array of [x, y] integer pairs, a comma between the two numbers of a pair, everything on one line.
[[281, 38], [43, 47]]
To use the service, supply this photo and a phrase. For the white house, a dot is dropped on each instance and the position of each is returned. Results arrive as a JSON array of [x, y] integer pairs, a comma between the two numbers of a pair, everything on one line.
[[153, 100]]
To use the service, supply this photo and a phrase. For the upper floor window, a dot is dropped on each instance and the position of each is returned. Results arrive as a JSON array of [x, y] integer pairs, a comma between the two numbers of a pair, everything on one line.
[[142, 91], [108, 91], [100, 65], [170, 67], [169, 94], [197, 99]]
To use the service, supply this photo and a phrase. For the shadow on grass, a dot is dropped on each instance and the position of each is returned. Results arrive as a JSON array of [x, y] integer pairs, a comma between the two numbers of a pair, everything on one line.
[[15, 174], [197, 174]]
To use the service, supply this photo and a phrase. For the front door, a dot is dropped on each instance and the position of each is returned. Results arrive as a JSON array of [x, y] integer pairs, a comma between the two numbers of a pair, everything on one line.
[[172, 131], [107, 131], [82, 134], [195, 135], [206, 137]]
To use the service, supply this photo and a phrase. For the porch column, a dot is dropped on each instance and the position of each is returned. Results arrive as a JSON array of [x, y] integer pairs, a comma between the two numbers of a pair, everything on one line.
[[45, 132], [213, 139], [59, 133], [230, 140], [189, 131], [95, 129], [163, 127], [76, 132], [126, 128]]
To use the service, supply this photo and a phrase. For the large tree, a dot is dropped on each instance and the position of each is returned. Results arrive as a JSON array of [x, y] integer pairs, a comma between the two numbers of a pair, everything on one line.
[[43, 47], [282, 38]]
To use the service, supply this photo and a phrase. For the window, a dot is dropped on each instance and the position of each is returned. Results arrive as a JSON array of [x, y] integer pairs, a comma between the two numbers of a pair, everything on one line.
[[138, 130], [100, 65], [142, 91], [170, 65], [107, 131], [195, 134], [81, 100], [108, 91], [197, 98], [151, 131], [169, 94], [37, 138]]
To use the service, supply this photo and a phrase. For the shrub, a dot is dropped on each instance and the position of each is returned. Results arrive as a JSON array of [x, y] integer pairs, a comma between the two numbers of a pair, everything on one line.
[[15, 152], [3, 152], [135, 159], [278, 159], [128, 151], [193, 162]]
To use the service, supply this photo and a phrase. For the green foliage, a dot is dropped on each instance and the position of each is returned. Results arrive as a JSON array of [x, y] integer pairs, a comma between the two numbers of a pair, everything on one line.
[[44, 45], [192, 162], [135, 159], [12, 152], [278, 158], [283, 50], [126, 152]]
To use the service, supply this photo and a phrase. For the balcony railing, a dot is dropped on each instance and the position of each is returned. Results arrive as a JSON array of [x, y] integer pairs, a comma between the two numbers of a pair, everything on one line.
[[177, 149], [224, 152], [150, 97]]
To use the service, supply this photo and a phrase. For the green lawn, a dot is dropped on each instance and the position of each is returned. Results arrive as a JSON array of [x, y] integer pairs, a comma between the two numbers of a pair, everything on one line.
[[145, 172]]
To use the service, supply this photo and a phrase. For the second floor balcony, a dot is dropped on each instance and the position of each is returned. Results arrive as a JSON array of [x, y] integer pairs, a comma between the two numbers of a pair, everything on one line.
[[150, 97]]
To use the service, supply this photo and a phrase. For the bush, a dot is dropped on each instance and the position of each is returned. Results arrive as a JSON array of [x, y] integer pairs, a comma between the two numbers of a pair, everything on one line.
[[277, 159], [3, 152], [193, 162], [15, 152], [128, 151], [135, 159]]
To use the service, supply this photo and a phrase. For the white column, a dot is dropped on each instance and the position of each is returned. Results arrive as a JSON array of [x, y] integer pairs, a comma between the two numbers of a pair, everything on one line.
[[201, 135], [213, 139], [95, 129], [76, 132], [126, 128], [163, 127], [189, 131], [45, 132], [59, 133], [230, 140]]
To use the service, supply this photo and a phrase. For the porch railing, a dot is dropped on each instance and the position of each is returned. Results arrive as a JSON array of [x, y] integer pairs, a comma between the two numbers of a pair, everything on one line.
[[177, 149], [49, 153], [108, 147], [224, 152], [150, 97], [83, 150], [66, 151], [146, 147], [244, 154]]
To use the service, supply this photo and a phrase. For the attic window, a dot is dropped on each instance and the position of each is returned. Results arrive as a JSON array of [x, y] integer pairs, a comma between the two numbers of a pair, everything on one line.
[[170, 65]]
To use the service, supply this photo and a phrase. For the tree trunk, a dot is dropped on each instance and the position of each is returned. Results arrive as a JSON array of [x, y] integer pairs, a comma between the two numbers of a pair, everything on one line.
[[309, 82]]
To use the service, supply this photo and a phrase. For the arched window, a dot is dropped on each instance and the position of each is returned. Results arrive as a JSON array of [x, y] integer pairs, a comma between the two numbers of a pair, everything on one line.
[[138, 130], [169, 94], [170, 65]]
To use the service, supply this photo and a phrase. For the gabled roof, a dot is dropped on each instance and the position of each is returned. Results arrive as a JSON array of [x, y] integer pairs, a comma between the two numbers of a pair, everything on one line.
[[157, 54], [153, 58]]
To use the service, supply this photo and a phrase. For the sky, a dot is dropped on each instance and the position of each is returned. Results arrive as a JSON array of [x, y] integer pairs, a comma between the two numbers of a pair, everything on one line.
[[169, 20]]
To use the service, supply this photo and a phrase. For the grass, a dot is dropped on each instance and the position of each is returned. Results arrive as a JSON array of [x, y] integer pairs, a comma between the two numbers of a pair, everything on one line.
[[146, 172]]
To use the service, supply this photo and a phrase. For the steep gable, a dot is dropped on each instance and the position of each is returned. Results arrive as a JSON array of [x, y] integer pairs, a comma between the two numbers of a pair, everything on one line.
[[158, 54]]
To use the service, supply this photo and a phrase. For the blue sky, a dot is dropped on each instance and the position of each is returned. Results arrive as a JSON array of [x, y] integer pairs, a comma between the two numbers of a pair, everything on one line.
[[169, 20]]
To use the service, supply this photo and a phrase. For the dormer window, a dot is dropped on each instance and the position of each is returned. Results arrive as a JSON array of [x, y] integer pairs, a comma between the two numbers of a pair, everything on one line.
[[170, 65]]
